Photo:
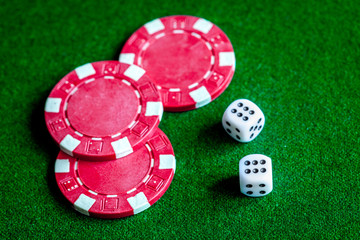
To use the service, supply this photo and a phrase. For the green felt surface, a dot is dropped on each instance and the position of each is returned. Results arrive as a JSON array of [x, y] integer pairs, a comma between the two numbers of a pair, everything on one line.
[[299, 61]]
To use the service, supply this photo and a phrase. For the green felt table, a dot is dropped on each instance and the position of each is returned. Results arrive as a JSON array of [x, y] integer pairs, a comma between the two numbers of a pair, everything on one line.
[[298, 60]]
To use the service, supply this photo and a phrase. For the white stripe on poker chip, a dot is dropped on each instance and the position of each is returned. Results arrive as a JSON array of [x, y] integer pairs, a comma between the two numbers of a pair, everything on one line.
[[207, 74], [79, 134], [92, 192], [137, 93], [73, 91], [85, 71], [62, 166], [67, 121], [201, 96], [126, 82], [193, 85], [68, 144], [226, 59], [203, 25], [53, 105], [159, 35], [132, 124], [167, 162], [128, 58], [212, 61], [131, 190], [178, 31], [174, 89], [83, 204], [139, 202], [146, 45], [208, 45], [116, 135], [79, 181], [154, 26], [154, 109], [146, 178], [122, 147], [110, 196], [90, 80], [134, 72], [148, 147], [196, 35]]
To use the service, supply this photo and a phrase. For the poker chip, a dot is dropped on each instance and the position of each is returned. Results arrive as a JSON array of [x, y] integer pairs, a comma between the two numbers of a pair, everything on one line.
[[103, 110], [190, 60], [114, 160], [118, 188]]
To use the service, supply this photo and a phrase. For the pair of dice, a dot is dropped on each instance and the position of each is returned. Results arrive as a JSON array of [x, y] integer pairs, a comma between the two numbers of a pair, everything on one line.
[[243, 120]]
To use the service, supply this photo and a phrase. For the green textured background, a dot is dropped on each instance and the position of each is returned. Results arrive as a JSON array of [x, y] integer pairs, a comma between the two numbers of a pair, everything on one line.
[[299, 61]]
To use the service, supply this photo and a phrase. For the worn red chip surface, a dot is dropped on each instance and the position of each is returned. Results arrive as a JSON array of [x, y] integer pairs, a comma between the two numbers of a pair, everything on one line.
[[190, 59], [119, 188], [102, 110]]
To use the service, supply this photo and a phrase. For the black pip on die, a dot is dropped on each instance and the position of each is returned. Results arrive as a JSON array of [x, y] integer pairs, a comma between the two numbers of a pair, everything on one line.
[[243, 120], [255, 173]]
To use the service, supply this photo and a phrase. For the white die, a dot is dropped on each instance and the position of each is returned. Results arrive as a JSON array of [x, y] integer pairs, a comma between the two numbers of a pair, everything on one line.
[[243, 120], [255, 174]]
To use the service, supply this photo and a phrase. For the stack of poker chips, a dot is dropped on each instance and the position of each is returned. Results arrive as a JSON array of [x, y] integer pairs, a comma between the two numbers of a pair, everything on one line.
[[114, 161]]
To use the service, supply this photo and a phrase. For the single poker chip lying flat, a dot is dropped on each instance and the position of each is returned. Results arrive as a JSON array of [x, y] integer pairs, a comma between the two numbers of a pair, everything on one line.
[[119, 188], [190, 59], [102, 110]]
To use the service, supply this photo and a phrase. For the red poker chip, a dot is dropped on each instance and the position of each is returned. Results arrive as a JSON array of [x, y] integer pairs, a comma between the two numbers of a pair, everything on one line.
[[190, 59], [119, 188], [103, 110]]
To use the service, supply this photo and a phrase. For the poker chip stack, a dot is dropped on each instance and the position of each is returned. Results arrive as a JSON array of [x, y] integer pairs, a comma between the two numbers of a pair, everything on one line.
[[114, 160]]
